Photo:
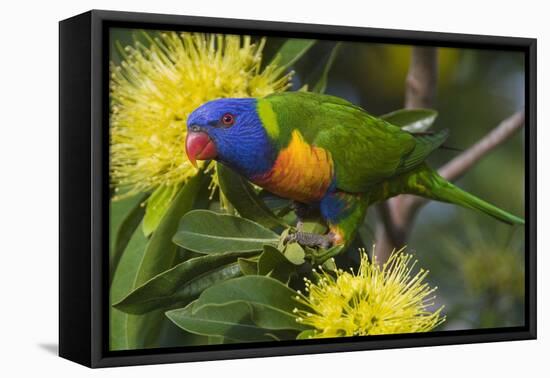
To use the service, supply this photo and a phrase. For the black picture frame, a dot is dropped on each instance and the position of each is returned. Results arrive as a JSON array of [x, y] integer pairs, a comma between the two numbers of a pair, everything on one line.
[[84, 188]]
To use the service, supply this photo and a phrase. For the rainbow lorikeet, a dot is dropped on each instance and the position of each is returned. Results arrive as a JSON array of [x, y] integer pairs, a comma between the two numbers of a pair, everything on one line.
[[323, 152]]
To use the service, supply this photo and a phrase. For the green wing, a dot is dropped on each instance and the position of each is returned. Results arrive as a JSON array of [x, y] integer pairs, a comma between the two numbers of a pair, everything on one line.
[[366, 150], [425, 143]]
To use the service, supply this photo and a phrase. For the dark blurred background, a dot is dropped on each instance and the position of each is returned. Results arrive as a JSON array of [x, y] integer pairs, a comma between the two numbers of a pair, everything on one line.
[[476, 262]]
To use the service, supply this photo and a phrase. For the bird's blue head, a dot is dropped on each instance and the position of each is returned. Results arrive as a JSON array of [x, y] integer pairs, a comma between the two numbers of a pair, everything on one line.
[[230, 131]]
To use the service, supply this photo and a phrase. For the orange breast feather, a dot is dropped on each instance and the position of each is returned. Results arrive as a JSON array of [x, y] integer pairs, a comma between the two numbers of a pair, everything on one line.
[[302, 172]]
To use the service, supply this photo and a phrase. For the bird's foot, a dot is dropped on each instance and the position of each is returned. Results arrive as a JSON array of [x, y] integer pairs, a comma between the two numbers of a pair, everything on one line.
[[307, 239]]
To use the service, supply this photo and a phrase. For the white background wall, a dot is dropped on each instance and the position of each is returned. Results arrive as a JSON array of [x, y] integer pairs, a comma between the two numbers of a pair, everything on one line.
[[29, 189]]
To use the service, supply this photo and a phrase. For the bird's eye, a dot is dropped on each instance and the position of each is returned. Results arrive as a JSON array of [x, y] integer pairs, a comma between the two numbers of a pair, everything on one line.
[[228, 119]]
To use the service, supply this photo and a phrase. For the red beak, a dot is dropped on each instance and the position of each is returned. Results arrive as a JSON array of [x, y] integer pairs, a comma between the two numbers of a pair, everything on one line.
[[199, 146]]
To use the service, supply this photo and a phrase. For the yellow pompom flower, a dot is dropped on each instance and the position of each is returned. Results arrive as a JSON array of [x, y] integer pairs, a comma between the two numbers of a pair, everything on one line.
[[155, 88], [378, 300]]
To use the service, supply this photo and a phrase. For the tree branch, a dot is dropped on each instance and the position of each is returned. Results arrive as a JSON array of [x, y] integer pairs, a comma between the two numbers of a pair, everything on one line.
[[454, 169], [461, 164], [421, 82], [420, 89], [397, 214]]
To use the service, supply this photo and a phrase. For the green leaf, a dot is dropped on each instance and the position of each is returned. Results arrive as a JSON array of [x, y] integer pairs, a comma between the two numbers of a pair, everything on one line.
[[145, 330], [412, 120], [232, 320], [245, 200], [270, 259], [248, 266], [180, 285], [157, 205], [314, 226], [321, 85], [125, 216], [160, 255], [173, 336], [215, 340], [329, 265], [208, 232], [271, 300], [121, 335], [291, 51], [306, 334], [161, 252], [295, 253], [282, 239], [320, 256], [273, 263]]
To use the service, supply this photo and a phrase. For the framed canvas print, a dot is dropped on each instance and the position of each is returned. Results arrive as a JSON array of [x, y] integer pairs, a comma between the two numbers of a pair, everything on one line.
[[234, 188]]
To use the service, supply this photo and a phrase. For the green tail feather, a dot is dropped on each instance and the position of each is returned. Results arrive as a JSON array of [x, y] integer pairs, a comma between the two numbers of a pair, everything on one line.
[[453, 194], [428, 183]]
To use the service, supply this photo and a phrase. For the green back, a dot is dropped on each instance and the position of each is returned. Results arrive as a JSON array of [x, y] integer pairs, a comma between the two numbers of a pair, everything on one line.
[[366, 150]]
